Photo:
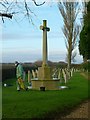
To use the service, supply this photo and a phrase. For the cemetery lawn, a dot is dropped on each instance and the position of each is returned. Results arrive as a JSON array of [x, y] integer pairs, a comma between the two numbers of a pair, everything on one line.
[[41, 104]]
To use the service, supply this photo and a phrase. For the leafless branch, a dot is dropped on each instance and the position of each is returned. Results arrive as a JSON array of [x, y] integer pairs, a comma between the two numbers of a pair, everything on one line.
[[9, 9], [69, 12], [6, 15], [38, 4]]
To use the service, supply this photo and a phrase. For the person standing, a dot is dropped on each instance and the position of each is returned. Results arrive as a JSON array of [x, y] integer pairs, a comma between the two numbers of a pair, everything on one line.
[[19, 75]]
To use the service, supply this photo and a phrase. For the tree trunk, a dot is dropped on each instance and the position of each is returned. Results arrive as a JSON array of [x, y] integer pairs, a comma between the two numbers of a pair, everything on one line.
[[69, 60]]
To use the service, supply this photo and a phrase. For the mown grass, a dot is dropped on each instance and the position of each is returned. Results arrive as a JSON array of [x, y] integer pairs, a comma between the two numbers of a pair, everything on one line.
[[38, 104], [0, 100]]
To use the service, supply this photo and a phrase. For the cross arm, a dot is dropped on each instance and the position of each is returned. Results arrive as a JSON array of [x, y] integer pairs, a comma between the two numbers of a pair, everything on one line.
[[44, 28]]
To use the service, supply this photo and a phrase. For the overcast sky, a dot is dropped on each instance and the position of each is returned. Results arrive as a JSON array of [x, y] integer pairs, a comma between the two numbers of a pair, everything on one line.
[[22, 41]]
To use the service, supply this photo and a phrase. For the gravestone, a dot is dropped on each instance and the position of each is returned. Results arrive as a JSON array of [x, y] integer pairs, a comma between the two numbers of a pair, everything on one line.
[[59, 74], [45, 79], [71, 72], [29, 77], [33, 74], [67, 73], [64, 75], [36, 73], [24, 76]]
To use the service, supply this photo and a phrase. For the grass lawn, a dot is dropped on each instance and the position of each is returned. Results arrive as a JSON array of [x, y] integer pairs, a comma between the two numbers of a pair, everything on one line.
[[38, 104], [0, 101]]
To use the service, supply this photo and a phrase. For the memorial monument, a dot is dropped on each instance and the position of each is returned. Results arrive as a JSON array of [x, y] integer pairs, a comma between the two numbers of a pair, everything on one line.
[[44, 73]]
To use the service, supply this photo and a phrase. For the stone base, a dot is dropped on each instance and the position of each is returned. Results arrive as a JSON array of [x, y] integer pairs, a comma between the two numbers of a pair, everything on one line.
[[44, 73], [48, 84]]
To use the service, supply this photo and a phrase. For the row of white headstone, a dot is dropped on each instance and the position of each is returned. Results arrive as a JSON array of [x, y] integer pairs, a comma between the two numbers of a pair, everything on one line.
[[63, 74], [31, 75], [56, 73]]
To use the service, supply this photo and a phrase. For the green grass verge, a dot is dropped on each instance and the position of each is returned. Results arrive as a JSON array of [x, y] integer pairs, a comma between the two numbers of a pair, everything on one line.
[[37, 104], [0, 100]]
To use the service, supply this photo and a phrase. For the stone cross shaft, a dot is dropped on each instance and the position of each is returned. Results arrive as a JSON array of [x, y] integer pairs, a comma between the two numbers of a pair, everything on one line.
[[45, 49]]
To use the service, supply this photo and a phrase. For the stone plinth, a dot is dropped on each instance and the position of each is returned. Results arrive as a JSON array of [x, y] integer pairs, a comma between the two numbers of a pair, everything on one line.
[[44, 73], [48, 84], [45, 80]]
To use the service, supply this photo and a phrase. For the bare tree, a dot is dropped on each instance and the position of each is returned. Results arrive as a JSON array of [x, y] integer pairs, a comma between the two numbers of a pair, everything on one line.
[[69, 12], [8, 8]]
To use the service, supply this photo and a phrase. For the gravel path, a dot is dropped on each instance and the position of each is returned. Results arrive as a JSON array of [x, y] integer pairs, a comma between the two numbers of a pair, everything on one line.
[[80, 113], [86, 76]]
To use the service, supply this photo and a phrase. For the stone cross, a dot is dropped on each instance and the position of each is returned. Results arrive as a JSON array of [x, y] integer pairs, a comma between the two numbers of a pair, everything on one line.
[[45, 29]]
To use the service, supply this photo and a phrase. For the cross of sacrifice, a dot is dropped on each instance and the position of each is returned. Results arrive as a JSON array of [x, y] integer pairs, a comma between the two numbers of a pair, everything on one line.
[[45, 50]]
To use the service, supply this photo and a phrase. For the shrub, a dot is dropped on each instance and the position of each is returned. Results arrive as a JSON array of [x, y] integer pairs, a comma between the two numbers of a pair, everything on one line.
[[86, 66]]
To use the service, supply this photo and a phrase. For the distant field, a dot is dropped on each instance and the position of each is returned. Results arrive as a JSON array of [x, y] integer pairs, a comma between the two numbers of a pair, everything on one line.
[[41, 104]]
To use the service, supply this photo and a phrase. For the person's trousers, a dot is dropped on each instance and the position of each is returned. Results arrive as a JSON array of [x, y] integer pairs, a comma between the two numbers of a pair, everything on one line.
[[20, 84]]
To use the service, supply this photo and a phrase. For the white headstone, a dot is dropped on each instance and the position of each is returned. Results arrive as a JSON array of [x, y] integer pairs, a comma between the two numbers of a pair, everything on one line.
[[33, 73], [36, 73], [24, 75], [59, 74], [64, 75], [29, 76]]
